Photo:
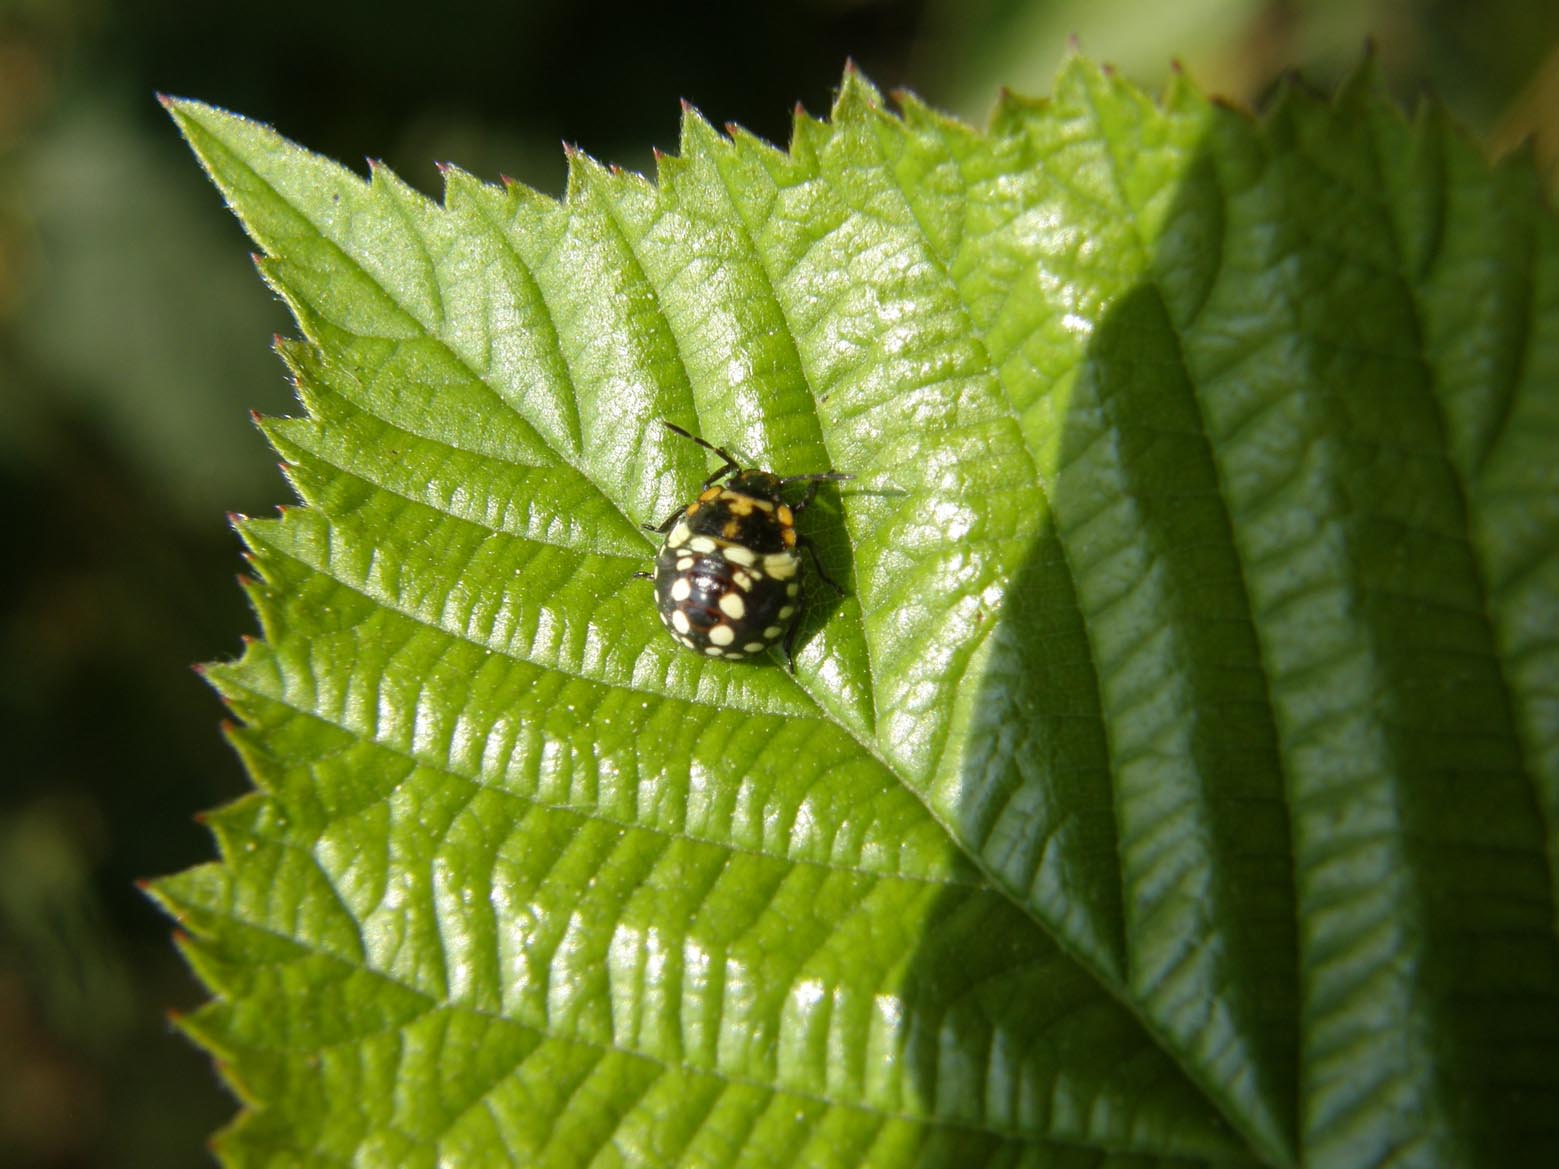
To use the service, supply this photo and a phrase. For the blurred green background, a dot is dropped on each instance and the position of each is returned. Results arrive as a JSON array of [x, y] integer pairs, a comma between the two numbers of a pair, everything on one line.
[[134, 341]]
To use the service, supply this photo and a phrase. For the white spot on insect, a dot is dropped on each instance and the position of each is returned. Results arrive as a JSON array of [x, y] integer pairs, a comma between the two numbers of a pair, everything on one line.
[[743, 580], [781, 565], [681, 589], [679, 535], [684, 563], [785, 613], [732, 605], [737, 554], [772, 632], [701, 544], [753, 647], [722, 634], [680, 623], [713, 651], [687, 641]]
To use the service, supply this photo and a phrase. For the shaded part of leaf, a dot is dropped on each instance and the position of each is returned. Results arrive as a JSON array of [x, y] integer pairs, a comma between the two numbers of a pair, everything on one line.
[[1403, 767], [1495, 361], [1057, 255]]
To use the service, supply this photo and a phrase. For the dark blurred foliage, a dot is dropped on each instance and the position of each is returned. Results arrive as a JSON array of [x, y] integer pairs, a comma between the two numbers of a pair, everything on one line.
[[133, 344]]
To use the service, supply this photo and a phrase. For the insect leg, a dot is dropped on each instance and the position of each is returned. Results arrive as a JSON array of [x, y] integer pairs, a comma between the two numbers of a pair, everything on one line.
[[817, 564], [665, 525], [730, 463]]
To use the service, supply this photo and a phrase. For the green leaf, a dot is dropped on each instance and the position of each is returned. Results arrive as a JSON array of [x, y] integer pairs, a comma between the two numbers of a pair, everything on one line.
[[1176, 783]]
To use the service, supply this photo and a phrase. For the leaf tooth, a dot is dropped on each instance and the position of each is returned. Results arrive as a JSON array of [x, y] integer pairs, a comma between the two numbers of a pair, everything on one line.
[[1290, 97], [584, 172], [744, 141], [857, 98], [517, 198], [669, 169], [1013, 112], [299, 357], [808, 137], [461, 185], [384, 183], [1364, 89], [697, 133], [1182, 96]]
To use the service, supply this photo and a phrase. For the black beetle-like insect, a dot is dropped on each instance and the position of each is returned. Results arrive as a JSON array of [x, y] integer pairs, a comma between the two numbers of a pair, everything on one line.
[[727, 579]]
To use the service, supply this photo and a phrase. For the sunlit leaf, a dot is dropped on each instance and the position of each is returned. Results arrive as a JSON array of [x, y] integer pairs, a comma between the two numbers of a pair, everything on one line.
[[1177, 781]]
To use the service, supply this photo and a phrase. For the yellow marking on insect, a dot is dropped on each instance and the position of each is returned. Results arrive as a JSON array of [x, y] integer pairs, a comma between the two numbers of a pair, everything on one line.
[[786, 516]]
